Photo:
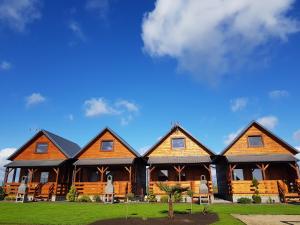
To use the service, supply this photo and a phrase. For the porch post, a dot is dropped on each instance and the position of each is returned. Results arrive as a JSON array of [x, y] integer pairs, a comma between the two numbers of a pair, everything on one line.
[[6, 175], [179, 170], [296, 168], [102, 170], [14, 175], [150, 171], [263, 168], [56, 180], [129, 170]]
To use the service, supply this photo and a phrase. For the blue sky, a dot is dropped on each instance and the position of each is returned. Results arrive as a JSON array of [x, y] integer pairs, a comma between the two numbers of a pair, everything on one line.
[[74, 67]]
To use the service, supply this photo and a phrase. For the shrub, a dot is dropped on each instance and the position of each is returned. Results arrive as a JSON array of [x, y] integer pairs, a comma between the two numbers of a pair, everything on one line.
[[244, 200], [84, 198], [270, 200], [256, 199], [205, 210], [10, 198], [130, 196], [177, 197], [164, 199], [97, 198], [2, 193], [71, 196], [152, 197]]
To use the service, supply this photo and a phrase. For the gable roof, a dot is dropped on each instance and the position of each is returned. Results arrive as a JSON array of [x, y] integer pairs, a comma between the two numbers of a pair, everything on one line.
[[174, 128], [255, 123], [67, 147], [115, 135]]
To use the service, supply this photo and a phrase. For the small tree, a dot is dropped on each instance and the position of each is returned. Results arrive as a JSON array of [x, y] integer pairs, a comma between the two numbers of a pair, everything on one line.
[[71, 196], [2, 193], [256, 198], [191, 195], [171, 191]]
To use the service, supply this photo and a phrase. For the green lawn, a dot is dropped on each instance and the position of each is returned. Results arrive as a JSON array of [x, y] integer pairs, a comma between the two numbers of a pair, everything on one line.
[[84, 213]]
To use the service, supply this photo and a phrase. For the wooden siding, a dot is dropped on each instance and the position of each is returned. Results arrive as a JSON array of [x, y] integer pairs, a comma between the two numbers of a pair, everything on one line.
[[270, 145], [191, 147], [29, 152], [93, 150]]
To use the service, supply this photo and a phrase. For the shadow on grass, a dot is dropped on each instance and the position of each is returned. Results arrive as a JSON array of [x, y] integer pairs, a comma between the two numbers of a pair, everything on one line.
[[175, 212]]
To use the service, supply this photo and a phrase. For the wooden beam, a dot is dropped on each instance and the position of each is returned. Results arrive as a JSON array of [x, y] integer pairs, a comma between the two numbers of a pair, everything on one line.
[[6, 176], [179, 170], [102, 170], [56, 181], [150, 171], [75, 173], [296, 168]]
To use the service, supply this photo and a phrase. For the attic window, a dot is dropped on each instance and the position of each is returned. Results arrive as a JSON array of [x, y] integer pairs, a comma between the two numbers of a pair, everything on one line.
[[107, 145], [255, 141], [178, 143], [41, 148]]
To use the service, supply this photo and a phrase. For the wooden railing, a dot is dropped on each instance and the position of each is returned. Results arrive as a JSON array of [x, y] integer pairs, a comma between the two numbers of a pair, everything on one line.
[[121, 188], [192, 185], [36, 189], [246, 187]]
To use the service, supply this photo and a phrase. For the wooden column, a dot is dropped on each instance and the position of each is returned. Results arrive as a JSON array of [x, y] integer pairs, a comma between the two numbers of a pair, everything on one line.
[[102, 170], [209, 171], [129, 170], [75, 173], [296, 168], [14, 175], [7, 171], [56, 180], [263, 168], [150, 171], [179, 170]]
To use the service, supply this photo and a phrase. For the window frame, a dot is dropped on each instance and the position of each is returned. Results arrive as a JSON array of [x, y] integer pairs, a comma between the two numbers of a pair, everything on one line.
[[258, 135], [184, 143], [105, 150], [41, 143]]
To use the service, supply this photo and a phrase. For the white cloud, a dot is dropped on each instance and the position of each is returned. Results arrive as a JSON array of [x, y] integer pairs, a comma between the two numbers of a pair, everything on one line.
[[130, 106], [230, 137], [4, 154], [4, 65], [298, 148], [71, 117], [17, 14], [101, 7], [277, 94], [123, 109], [34, 99], [269, 122], [238, 104], [142, 150], [210, 38], [296, 135], [97, 107], [77, 31]]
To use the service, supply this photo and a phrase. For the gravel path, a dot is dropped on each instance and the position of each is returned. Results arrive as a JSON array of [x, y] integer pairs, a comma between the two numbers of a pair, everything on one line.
[[268, 219]]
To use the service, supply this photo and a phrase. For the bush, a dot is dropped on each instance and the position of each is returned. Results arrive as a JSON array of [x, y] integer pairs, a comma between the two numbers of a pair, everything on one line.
[[152, 197], [2, 193], [97, 198], [256, 199], [84, 198], [71, 196], [244, 200], [177, 197], [164, 199], [270, 200], [10, 198], [130, 196]]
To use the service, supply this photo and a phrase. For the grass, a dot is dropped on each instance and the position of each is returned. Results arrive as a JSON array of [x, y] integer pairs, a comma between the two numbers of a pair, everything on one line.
[[84, 213]]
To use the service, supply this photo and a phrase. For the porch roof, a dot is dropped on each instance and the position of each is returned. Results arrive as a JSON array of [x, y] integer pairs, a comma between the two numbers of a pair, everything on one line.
[[34, 163], [179, 160], [261, 158], [108, 161]]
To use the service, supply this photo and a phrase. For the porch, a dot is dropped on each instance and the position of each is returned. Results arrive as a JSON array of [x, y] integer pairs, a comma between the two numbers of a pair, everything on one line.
[[280, 180], [90, 177], [44, 182], [189, 176]]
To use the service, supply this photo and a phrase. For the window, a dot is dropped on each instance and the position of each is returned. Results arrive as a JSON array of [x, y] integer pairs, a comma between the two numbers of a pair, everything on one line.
[[238, 174], [42, 148], [163, 175], [107, 145], [44, 177], [257, 174], [255, 141], [178, 143]]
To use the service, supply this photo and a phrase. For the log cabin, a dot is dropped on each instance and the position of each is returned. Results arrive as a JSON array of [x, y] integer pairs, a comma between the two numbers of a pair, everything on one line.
[[257, 153], [109, 154], [46, 159], [179, 158]]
